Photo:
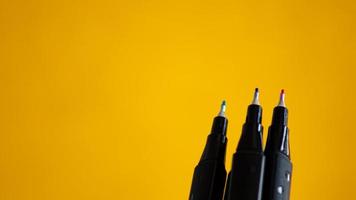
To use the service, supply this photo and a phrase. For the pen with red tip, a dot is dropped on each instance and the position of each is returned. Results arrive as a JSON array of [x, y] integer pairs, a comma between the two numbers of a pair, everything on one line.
[[278, 168]]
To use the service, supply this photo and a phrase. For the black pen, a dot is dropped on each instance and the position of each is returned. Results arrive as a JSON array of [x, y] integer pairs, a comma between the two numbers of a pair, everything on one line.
[[278, 164], [210, 173], [246, 176]]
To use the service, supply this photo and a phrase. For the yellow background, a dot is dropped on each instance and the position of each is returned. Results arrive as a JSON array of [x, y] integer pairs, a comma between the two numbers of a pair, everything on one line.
[[114, 99]]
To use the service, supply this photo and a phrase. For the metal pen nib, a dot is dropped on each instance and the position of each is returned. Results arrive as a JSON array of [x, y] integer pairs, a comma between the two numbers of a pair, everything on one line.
[[222, 109], [256, 97], [281, 99]]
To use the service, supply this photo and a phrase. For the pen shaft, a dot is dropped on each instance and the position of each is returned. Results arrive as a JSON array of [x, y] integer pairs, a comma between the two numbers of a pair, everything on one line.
[[210, 174], [246, 176], [278, 169]]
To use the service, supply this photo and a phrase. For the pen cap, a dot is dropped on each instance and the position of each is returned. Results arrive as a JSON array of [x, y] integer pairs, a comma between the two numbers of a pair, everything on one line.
[[278, 132], [254, 114], [215, 147], [251, 136], [219, 126], [280, 116]]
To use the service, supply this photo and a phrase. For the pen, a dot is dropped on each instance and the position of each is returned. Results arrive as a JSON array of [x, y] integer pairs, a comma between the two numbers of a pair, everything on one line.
[[210, 174], [246, 176], [278, 164]]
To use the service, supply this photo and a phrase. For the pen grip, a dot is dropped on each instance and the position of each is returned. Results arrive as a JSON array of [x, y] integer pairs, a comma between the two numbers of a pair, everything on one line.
[[208, 181], [246, 178], [278, 177]]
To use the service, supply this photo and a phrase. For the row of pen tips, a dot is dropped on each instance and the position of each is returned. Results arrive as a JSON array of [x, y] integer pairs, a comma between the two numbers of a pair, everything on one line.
[[256, 101]]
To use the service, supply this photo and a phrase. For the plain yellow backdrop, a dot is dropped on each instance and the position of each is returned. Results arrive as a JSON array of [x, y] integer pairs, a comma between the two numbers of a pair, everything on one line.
[[114, 99]]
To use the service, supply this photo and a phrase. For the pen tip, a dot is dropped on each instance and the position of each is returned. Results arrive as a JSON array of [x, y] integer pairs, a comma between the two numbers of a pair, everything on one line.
[[222, 109], [281, 99], [256, 97]]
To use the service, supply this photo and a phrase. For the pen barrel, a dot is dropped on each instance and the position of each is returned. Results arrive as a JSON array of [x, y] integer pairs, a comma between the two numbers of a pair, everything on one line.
[[210, 174], [215, 148], [208, 181], [278, 175], [246, 176]]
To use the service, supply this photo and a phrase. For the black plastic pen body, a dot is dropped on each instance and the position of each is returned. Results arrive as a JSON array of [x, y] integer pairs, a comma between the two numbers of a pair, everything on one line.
[[210, 173], [246, 176], [278, 169]]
